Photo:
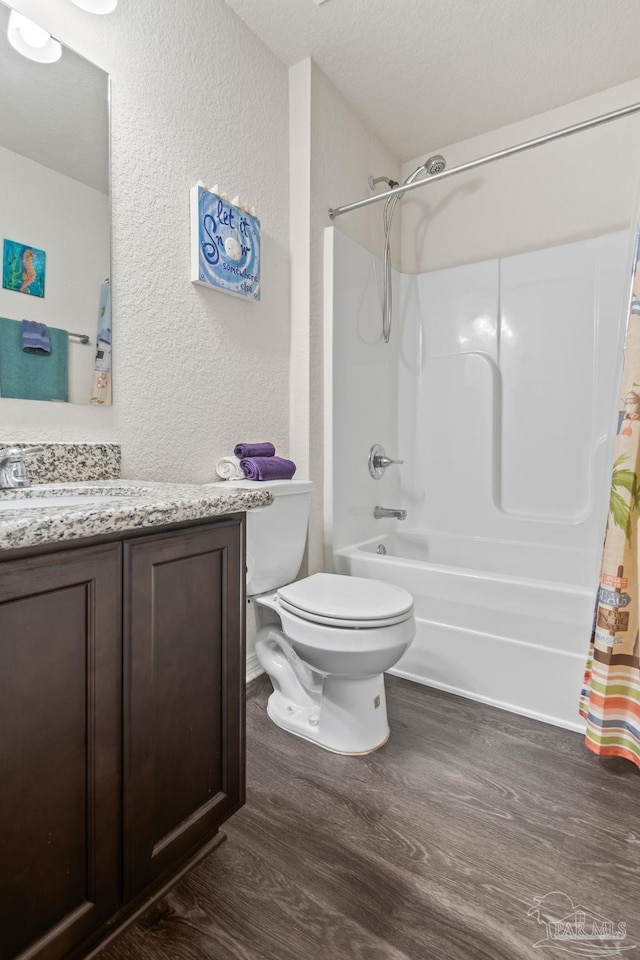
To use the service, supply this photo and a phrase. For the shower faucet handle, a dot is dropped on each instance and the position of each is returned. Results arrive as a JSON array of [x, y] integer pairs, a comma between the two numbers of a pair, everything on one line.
[[384, 462], [379, 461]]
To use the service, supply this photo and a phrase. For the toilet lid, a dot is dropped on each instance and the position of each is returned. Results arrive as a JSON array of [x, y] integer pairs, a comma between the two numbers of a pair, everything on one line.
[[346, 601]]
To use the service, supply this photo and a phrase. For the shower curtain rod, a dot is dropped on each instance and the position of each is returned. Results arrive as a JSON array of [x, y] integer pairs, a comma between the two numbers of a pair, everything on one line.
[[509, 151]]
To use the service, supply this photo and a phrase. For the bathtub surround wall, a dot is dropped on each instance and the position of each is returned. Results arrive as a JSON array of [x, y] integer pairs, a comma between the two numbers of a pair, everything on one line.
[[498, 391], [510, 370], [193, 370], [332, 154]]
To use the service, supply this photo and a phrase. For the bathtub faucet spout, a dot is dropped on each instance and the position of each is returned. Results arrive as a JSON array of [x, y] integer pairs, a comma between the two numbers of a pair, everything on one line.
[[381, 513]]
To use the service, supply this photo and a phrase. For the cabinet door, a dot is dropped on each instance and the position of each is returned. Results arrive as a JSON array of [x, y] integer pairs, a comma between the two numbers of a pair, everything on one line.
[[60, 658], [184, 676]]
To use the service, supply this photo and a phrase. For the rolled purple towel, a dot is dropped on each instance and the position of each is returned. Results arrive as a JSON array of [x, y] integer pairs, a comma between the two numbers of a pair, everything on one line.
[[267, 468], [243, 450]]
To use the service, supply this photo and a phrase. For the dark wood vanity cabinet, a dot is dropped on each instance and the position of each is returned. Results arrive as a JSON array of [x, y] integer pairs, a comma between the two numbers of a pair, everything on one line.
[[183, 771], [121, 727], [59, 748]]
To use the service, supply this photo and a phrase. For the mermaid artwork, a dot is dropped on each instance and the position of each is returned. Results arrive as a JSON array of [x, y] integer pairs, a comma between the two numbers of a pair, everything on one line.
[[23, 268]]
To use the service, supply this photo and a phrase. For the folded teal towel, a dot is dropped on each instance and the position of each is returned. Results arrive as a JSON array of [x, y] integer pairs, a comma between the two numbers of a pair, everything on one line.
[[33, 376]]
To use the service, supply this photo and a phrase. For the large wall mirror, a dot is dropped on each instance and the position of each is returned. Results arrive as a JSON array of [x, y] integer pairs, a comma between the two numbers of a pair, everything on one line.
[[55, 224]]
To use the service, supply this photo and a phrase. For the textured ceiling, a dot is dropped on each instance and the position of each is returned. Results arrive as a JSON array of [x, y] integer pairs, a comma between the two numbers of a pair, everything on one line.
[[426, 73], [55, 113]]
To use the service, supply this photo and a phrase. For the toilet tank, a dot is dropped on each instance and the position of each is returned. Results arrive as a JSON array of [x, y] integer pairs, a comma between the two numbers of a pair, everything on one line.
[[276, 535]]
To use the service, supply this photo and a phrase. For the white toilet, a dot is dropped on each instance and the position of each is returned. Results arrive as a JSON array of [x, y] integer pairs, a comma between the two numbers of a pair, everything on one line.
[[324, 641]]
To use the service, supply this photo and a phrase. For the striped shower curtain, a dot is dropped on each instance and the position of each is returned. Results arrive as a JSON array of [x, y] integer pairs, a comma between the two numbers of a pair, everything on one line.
[[610, 700]]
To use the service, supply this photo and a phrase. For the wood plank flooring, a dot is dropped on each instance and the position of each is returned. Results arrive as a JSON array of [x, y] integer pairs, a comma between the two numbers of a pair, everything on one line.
[[433, 847]]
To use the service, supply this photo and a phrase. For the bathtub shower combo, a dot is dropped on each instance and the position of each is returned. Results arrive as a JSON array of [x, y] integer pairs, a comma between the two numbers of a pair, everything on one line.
[[493, 387], [495, 519]]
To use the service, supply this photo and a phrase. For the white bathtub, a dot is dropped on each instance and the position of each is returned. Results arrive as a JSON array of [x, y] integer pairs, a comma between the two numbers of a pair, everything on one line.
[[501, 622]]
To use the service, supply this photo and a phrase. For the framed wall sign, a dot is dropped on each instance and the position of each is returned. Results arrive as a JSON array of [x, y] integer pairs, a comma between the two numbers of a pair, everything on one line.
[[225, 245]]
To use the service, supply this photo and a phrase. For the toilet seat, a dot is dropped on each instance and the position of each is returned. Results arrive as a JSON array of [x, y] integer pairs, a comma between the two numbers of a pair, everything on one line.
[[346, 602], [345, 624]]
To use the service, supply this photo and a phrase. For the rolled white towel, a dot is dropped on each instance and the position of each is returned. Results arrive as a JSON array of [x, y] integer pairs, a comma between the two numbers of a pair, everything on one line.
[[229, 468]]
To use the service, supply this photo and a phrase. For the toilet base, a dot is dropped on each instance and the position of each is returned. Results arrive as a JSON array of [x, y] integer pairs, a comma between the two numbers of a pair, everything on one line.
[[350, 719]]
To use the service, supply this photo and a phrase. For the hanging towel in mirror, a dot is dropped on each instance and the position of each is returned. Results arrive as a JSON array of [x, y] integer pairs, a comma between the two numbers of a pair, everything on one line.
[[33, 376], [35, 337]]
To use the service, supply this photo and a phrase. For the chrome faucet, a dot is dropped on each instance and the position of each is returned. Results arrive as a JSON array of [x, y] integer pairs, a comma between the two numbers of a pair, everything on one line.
[[380, 513], [13, 470], [379, 461]]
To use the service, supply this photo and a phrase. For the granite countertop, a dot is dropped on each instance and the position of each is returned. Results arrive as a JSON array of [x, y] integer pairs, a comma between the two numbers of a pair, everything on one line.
[[130, 505]]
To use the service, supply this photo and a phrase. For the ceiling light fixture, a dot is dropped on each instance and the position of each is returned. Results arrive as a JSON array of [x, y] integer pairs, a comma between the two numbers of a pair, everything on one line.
[[97, 6], [32, 41]]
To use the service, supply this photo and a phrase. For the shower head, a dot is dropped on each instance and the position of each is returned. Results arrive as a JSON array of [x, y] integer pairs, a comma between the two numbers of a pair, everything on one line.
[[375, 180], [435, 164], [431, 166]]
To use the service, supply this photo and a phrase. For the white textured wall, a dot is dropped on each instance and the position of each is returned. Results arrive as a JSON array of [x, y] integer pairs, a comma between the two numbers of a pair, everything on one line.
[[194, 95], [577, 187], [68, 220], [343, 154]]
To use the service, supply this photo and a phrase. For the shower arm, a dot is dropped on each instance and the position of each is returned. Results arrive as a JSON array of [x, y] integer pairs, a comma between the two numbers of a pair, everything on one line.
[[509, 151]]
